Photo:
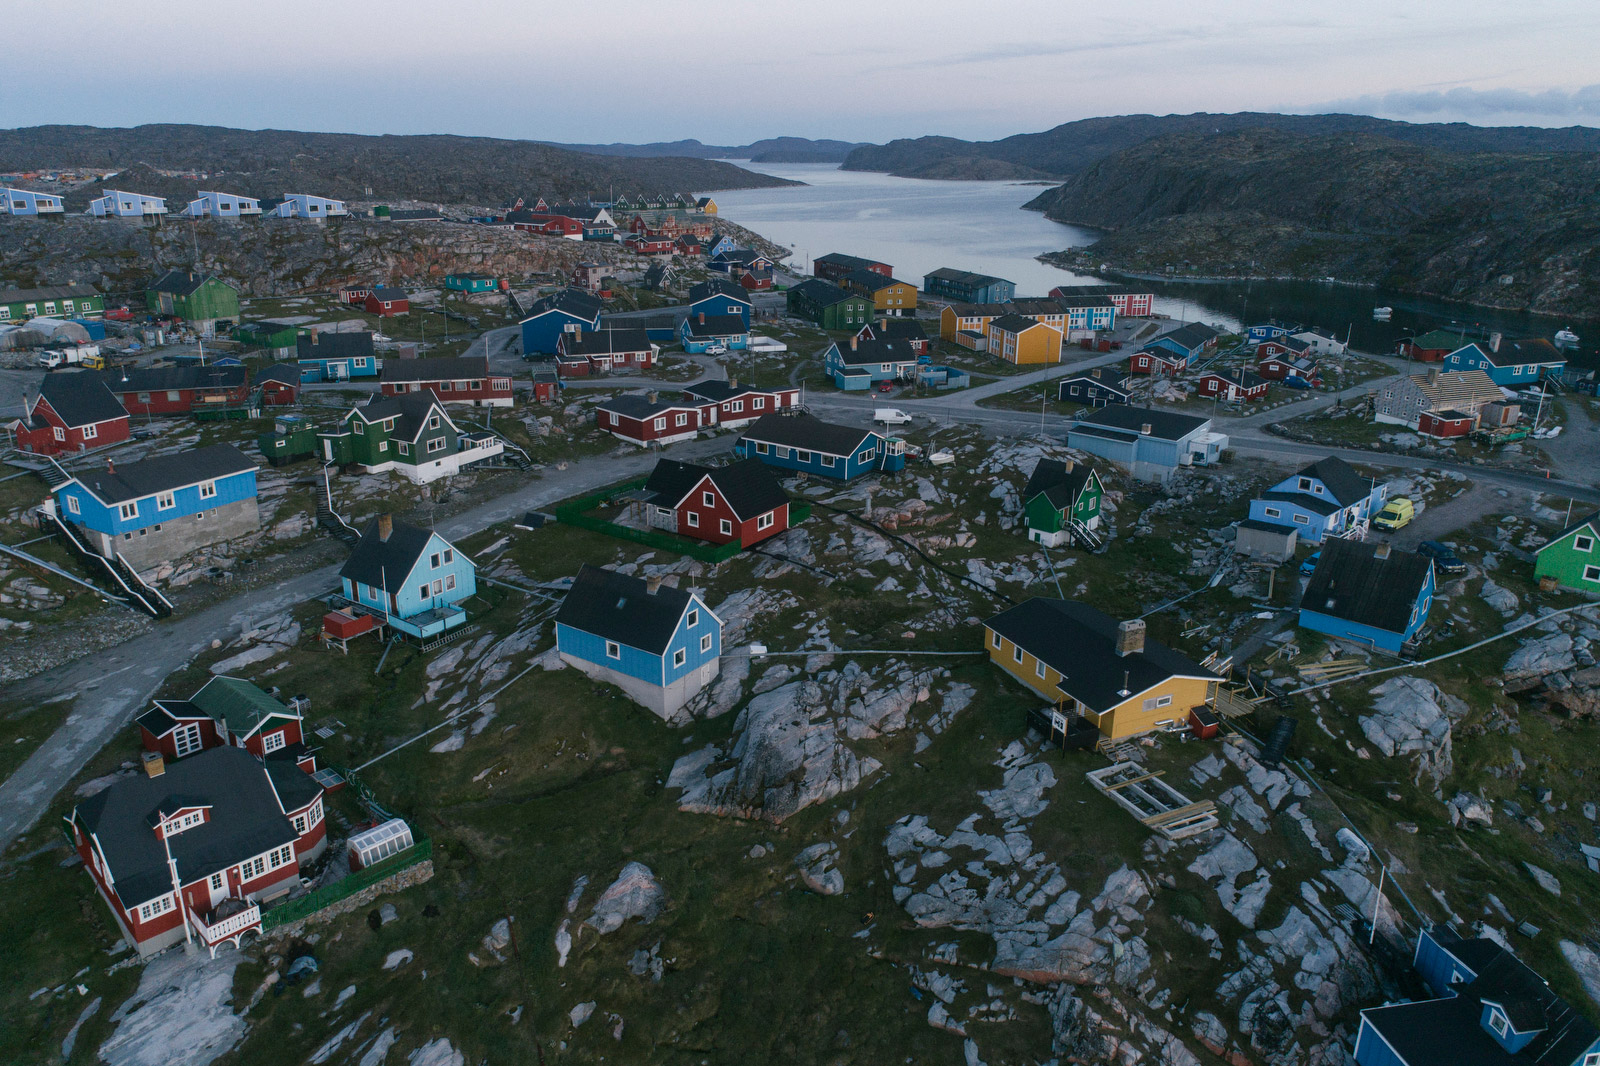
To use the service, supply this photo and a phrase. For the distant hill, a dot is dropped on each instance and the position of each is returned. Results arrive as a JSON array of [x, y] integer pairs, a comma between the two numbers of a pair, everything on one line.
[[1072, 146], [1511, 229], [770, 150], [437, 169]]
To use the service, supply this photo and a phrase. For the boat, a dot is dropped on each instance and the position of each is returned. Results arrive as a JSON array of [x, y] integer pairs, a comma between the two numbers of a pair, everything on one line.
[[1565, 339], [943, 457], [1382, 314]]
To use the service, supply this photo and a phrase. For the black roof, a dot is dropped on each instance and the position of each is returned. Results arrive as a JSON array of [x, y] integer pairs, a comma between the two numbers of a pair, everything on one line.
[[824, 293], [1513, 352], [1352, 582], [179, 282], [1113, 385], [81, 398], [702, 290], [1592, 519], [341, 345], [617, 607], [575, 302], [749, 485], [1303, 500], [1340, 479], [1245, 379], [1014, 323], [860, 351], [606, 341], [1192, 336], [896, 329], [961, 277], [872, 279], [49, 292], [147, 477], [458, 368], [388, 294], [854, 262], [410, 410], [717, 326], [1165, 425], [1080, 642], [1060, 483], [246, 820], [287, 373], [386, 563], [806, 432], [715, 390], [160, 378], [639, 405]]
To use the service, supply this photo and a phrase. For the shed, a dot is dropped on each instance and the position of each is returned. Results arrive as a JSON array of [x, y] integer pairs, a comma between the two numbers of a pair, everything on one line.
[[1447, 423], [371, 846], [1265, 541]]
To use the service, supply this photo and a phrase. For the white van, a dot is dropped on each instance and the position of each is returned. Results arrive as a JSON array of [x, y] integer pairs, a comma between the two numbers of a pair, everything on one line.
[[890, 416]]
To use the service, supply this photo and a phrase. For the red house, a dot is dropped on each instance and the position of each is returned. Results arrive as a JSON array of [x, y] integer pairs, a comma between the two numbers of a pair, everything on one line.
[[644, 418], [466, 379], [387, 301], [730, 404], [227, 711], [1445, 424], [177, 390], [649, 244], [1130, 303], [279, 385], [188, 851], [592, 277], [689, 244], [742, 502], [1233, 385], [756, 280], [73, 412], [835, 265], [1283, 367], [1285, 348], [586, 353], [355, 293], [1158, 361], [546, 386]]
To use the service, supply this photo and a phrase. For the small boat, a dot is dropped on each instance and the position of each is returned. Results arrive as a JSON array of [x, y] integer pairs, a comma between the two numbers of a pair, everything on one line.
[[1382, 314], [1565, 339], [943, 457]]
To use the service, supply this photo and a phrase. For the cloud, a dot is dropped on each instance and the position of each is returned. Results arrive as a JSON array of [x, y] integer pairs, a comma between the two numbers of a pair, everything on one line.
[[1467, 103]]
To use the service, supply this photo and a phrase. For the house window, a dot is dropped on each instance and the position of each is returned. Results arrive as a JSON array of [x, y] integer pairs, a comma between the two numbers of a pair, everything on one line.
[[737, 406], [694, 619], [680, 657], [693, 518], [1583, 544], [72, 501], [186, 741], [1016, 653], [765, 521], [405, 449], [128, 511], [281, 856], [155, 908], [299, 825], [727, 528], [1155, 702], [164, 501], [1302, 520], [1591, 573], [660, 423], [422, 591], [433, 561], [436, 445], [216, 882], [757, 403], [433, 421], [1038, 668], [91, 432], [705, 643], [272, 741], [681, 420], [613, 650], [1498, 1022], [60, 433], [253, 868], [1273, 512], [361, 430], [449, 556], [801, 455], [208, 489], [383, 446], [438, 586], [709, 498]]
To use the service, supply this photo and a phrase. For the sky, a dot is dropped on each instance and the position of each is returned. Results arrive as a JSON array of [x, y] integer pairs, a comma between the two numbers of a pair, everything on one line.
[[732, 71]]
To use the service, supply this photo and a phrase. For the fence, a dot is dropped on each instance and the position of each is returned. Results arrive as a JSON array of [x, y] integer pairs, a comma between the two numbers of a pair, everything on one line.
[[573, 513]]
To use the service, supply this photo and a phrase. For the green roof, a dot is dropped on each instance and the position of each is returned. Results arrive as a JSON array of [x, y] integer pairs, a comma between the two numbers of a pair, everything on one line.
[[1439, 338], [236, 703]]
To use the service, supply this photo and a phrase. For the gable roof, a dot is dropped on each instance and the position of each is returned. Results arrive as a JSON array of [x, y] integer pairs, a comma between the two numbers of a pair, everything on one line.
[[607, 341], [1245, 379], [825, 293], [1592, 521], [806, 432], [458, 368], [872, 279], [180, 282], [1340, 479], [161, 378], [962, 277], [1352, 582], [569, 301], [1080, 642], [704, 290], [238, 703], [1288, 343], [895, 329], [717, 326], [1517, 352], [1438, 339], [715, 390], [867, 350], [133, 481], [1192, 336], [285, 373], [1013, 323], [388, 294], [345, 344], [639, 405], [1457, 388], [410, 410], [620, 608], [749, 486], [48, 292], [1111, 384], [854, 262], [81, 398], [387, 563], [1060, 482], [1165, 425]]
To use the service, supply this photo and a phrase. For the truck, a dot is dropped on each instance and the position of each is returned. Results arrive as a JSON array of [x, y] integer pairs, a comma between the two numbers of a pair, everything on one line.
[[83, 355], [890, 416]]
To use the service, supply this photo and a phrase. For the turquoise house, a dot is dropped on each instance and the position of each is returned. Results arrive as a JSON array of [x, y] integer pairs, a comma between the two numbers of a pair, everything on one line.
[[807, 445], [1511, 364], [701, 332], [719, 297], [411, 577]]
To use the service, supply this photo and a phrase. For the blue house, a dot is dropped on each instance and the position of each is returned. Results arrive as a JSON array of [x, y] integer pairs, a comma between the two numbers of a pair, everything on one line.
[[1189, 342], [159, 510], [805, 444], [1151, 445], [719, 297], [721, 246], [861, 362], [1266, 331], [700, 332], [567, 311], [26, 202], [303, 205], [963, 286], [223, 205], [1326, 499], [412, 578], [660, 645], [1511, 364], [737, 261], [336, 356], [1368, 594], [1490, 1010], [1094, 389]]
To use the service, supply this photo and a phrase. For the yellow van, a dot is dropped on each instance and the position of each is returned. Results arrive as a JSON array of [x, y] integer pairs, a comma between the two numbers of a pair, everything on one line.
[[1398, 512]]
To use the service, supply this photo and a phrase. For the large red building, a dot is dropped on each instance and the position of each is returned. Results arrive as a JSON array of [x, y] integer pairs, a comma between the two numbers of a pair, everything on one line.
[[730, 404], [741, 502], [590, 353], [466, 379], [177, 390], [1130, 303], [73, 412], [649, 243], [644, 418], [835, 265]]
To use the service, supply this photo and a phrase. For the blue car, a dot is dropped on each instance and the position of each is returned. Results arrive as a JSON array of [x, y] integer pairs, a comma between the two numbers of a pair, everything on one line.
[[1444, 560], [1310, 564]]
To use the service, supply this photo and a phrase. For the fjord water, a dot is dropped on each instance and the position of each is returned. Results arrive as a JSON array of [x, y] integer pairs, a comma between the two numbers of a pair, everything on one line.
[[918, 226]]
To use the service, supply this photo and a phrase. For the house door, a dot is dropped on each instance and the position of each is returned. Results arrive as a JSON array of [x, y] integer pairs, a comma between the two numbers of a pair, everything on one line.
[[186, 741], [711, 419], [327, 451]]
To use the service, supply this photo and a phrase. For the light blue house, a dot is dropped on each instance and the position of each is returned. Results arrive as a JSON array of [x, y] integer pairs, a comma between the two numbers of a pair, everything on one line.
[[223, 205], [26, 202], [1085, 315], [1151, 445], [1488, 1009], [304, 205], [721, 246], [805, 444], [861, 362], [1326, 499], [115, 203], [336, 356], [1368, 594], [658, 644], [719, 297], [412, 577], [1511, 364], [701, 332], [567, 311]]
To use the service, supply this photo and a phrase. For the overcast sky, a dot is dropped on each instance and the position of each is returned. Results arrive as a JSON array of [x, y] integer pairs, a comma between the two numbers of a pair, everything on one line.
[[730, 71]]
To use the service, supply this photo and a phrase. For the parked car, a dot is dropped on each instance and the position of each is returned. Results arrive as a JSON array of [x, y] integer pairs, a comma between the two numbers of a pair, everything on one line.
[[890, 416], [717, 349], [1398, 512], [1310, 564], [1444, 560], [887, 386]]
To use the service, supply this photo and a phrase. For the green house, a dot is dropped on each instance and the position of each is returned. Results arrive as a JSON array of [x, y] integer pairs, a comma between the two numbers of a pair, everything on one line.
[[293, 438], [471, 283], [276, 337], [1061, 504], [198, 299], [829, 306], [410, 434], [55, 301], [1572, 557]]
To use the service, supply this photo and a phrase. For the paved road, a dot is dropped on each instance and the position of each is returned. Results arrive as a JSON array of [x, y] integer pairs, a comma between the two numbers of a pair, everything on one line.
[[111, 687]]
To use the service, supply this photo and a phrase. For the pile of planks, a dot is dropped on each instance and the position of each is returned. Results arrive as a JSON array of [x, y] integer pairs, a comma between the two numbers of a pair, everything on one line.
[[1330, 669]]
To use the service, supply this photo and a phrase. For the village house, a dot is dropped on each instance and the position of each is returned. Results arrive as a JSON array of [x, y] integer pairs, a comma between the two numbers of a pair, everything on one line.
[[549, 225], [197, 299], [659, 645], [1100, 387], [1511, 364], [25, 203], [303, 205], [1022, 340], [737, 261], [591, 277], [411, 579], [411, 435], [1324, 499], [645, 418], [706, 205], [968, 324], [1187, 343], [178, 390], [80, 301], [1370, 594], [740, 503], [1127, 303], [1319, 344], [158, 510], [649, 243], [806, 444], [474, 283], [731, 405], [719, 296], [560, 312], [275, 338], [1157, 362], [720, 244], [187, 852], [1061, 504], [888, 296], [223, 205], [114, 203], [546, 386], [1569, 558], [596, 220], [1266, 331], [1437, 400], [689, 244], [465, 379], [1234, 386], [386, 301], [825, 304], [343, 356], [1487, 1009], [227, 711], [279, 385], [1086, 316], [658, 277], [756, 280], [836, 266], [1088, 665], [963, 286], [858, 364], [907, 330], [1430, 347], [356, 292], [1151, 445], [72, 413], [701, 332], [592, 353]]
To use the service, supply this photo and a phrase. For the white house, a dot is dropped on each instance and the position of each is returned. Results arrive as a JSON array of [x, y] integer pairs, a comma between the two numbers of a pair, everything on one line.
[[27, 202], [305, 205], [1320, 343], [118, 204], [223, 205]]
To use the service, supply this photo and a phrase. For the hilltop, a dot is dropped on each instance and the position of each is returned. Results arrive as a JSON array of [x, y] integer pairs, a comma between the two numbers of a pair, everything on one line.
[[767, 150], [434, 168]]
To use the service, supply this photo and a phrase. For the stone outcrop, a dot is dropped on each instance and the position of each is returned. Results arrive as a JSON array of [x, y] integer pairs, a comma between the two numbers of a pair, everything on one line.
[[634, 894]]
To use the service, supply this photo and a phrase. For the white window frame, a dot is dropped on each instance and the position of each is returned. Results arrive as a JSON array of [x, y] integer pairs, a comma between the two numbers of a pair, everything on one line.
[[613, 650], [693, 619], [679, 657], [1016, 653], [128, 511], [705, 643], [165, 501], [91, 431], [1273, 512], [1155, 703], [709, 498], [1582, 543], [436, 444], [726, 527], [660, 423], [765, 521], [1498, 1021], [1592, 573], [692, 519], [273, 741], [208, 490], [72, 501]]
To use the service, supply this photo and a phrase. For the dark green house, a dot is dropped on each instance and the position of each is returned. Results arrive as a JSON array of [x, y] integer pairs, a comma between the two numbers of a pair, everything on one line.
[[198, 299], [66, 301], [1572, 557], [278, 338], [411, 434], [1061, 504], [829, 306]]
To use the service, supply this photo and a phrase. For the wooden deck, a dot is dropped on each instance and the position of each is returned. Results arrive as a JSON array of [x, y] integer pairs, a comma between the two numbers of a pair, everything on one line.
[[1146, 796]]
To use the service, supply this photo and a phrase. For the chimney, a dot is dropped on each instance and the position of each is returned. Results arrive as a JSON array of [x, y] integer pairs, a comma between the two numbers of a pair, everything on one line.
[[154, 764], [1433, 375], [883, 323], [1494, 341], [652, 584], [1130, 637], [1145, 429], [1381, 551], [1067, 465], [733, 383], [854, 341], [111, 468], [702, 318], [385, 526]]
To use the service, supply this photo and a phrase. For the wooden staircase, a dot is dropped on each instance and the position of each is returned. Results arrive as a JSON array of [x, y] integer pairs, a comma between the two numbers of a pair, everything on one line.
[[329, 519]]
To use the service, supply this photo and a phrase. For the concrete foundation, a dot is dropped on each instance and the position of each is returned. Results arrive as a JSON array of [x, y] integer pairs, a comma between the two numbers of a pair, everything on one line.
[[665, 701], [171, 540]]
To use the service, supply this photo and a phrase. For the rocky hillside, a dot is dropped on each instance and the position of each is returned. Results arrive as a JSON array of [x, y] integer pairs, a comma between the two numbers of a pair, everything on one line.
[[1506, 229], [446, 169], [767, 150], [1072, 146]]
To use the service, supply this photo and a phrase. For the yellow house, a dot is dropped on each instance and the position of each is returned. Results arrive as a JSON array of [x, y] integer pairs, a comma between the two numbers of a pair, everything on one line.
[[1087, 663], [706, 205], [1020, 339], [888, 296]]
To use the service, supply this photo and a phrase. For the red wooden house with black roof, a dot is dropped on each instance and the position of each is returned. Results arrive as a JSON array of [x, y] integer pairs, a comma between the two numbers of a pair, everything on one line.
[[586, 353], [279, 385], [464, 379], [644, 418], [835, 265], [73, 412], [227, 711], [177, 390], [386, 301], [1232, 385], [730, 404], [742, 502]]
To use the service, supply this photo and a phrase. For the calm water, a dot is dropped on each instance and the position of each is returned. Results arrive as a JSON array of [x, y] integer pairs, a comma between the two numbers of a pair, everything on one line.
[[919, 226]]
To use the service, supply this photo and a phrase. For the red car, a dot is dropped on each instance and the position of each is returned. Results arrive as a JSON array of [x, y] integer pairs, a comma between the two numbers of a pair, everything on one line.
[[120, 314], [887, 386]]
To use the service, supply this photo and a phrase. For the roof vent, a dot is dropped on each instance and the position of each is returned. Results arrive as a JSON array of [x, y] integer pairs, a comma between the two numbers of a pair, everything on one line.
[[1145, 429]]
